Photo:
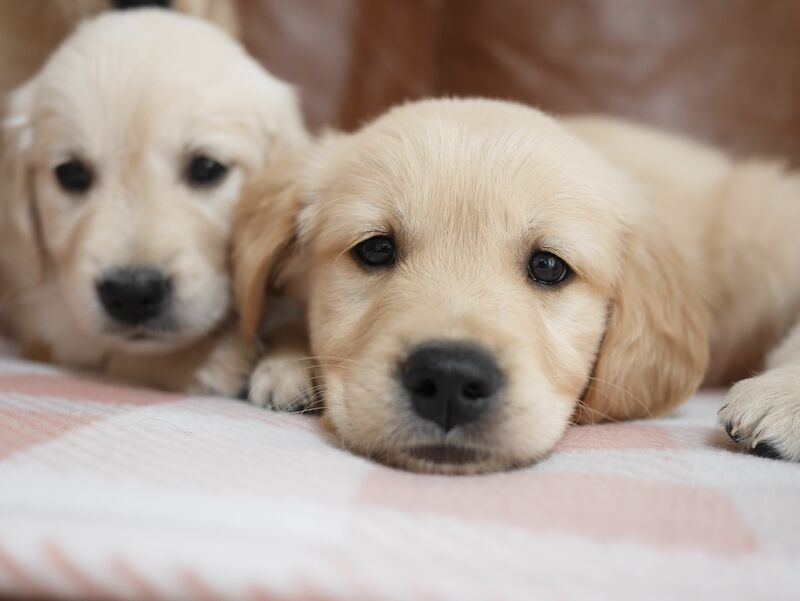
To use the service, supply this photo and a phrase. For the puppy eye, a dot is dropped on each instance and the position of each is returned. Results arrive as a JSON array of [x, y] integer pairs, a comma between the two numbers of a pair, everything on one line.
[[74, 176], [546, 268], [377, 251], [204, 172]]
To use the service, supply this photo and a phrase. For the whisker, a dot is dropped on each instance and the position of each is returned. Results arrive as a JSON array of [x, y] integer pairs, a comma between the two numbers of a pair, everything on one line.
[[627, 392]]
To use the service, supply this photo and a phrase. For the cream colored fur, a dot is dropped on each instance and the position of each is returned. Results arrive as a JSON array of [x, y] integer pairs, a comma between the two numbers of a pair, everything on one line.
[[136, 95], [31, 29], [685, 269]]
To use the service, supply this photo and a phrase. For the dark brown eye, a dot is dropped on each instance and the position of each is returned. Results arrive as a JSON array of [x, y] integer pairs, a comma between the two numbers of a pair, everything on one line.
[[378, 251], [204, 172], [546, 268], [74, 176]]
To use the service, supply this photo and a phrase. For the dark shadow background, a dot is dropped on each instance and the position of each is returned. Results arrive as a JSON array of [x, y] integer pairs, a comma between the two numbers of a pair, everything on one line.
[[724, 71]]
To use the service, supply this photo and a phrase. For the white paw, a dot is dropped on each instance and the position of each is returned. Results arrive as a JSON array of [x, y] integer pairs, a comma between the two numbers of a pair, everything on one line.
[[226, 370], [762, 414], [283, 383]]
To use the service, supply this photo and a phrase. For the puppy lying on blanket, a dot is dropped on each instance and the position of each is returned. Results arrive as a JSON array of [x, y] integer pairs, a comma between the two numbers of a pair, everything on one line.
[[122, 162], [480, 275]]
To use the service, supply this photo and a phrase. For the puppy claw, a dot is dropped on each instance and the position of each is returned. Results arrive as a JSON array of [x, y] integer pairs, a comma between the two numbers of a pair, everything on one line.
[[762, 415], [304, 404], [731, 430], [281, 383], [765, 449]]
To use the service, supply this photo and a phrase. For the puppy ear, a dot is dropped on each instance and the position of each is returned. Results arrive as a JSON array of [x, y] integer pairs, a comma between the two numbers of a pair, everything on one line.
[[17, 202], [655, 350], [263, 235]]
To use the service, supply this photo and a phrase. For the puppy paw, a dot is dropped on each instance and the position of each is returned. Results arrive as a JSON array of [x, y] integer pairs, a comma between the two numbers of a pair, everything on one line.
[[762, 414], [283, 383], [225, 371]]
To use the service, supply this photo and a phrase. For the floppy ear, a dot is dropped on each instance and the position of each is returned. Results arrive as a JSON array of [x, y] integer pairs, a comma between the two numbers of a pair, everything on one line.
[[263, 235], [18, 216], [655, 350]]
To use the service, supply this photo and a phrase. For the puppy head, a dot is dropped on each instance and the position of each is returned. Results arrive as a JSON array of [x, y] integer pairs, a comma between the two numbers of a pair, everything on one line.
[[129, 150], [474, 273]]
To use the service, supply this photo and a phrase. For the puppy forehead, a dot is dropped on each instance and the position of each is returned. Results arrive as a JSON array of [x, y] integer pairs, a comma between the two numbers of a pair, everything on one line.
[[486, 170], [134, 76]]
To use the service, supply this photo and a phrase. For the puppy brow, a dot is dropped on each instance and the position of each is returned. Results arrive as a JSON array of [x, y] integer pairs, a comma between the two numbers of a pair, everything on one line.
[[533, 237], [558, 247], [363, 235], [555, 247], [369, 233]]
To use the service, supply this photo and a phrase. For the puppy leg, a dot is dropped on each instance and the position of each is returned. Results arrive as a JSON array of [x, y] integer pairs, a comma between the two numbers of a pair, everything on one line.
[[763, 413], [226, 369], [282, 379]]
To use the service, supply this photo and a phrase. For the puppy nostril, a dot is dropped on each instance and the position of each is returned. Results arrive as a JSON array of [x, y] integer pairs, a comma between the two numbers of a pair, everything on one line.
[[426, 388], [475, 391]]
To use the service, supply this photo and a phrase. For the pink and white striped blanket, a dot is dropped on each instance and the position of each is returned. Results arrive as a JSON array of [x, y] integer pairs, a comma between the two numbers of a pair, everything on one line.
[[117, 493]]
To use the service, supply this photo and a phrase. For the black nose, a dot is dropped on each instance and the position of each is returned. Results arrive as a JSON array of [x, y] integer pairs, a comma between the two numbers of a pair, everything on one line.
[[123, 4], [450, 383], [134, 295]]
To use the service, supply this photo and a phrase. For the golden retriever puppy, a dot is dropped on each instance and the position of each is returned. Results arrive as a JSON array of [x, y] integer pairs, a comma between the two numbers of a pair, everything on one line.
[[31, 29], [123, 159], [479, 275]]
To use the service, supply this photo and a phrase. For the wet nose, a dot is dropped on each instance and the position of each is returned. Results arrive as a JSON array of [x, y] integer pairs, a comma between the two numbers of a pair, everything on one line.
[[451, 383], [134, 295]]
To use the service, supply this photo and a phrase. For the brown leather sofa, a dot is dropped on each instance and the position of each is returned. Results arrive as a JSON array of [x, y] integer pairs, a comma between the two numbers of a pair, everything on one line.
[[726, 71]]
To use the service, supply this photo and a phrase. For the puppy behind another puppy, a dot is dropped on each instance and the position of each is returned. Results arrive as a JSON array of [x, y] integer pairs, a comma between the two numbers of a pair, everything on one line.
[[480, 275], [30, 30], [123, 160]]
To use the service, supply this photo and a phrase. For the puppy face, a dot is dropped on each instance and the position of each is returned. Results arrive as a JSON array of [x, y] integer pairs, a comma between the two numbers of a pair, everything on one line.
[[466, 260], [134, 142]]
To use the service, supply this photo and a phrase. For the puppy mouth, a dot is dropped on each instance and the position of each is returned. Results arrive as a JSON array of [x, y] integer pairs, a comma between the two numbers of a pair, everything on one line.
[[448, 454], [143, 337], [145, 331]]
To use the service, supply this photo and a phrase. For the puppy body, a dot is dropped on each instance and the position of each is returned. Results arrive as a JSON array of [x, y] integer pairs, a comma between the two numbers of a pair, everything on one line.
[[674, 276], [741, 216], [136, 99], [734, 221]]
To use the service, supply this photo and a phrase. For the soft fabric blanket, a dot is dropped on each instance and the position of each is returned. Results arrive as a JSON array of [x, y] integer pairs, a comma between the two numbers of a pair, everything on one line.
[[122, 493]]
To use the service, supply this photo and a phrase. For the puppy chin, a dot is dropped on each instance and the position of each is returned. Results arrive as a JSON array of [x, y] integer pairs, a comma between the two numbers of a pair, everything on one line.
[[436, 453], [162, 336], [143, 341], [448, 460]]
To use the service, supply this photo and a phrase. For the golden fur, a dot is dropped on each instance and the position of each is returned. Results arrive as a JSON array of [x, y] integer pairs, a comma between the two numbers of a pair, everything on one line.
[[137, 95], [31, 29], [684, 268]]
